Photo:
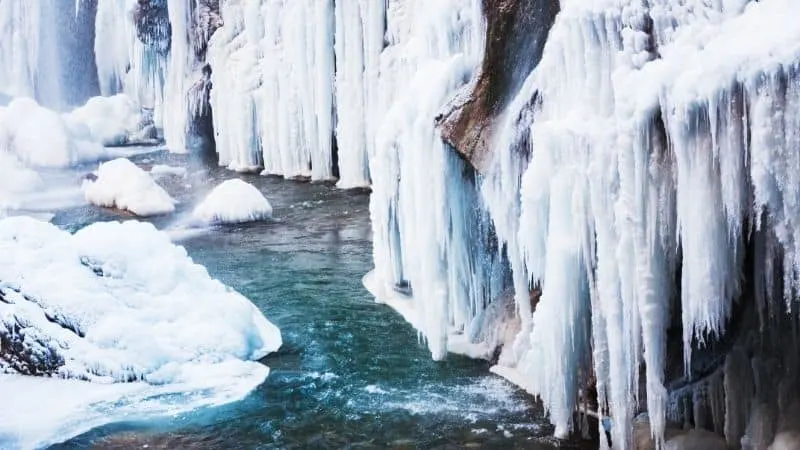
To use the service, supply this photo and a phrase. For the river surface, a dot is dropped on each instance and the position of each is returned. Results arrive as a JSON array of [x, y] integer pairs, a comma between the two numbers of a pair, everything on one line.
[[351, 373]]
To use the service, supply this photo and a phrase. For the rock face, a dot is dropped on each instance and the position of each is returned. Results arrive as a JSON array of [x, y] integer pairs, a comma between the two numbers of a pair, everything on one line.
[[206, 20], [152, 24], [515, 36]]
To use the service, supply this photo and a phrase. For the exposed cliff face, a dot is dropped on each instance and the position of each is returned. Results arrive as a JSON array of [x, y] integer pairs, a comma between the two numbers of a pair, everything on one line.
[[152, 24], [516, 32]]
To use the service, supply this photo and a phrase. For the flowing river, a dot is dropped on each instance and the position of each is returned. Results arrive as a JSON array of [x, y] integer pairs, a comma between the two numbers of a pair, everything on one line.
[[351, 373]]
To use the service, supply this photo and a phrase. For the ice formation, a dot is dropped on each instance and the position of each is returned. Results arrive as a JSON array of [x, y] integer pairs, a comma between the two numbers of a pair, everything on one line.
[[641, 202], [179, 72], [131, 47], [298, 101], [19, 25], [122, 184], [273, 87], [660, 142], [39, 137], [92, 305], [233, 201], [661, 156], [115, 120], [117, 303]]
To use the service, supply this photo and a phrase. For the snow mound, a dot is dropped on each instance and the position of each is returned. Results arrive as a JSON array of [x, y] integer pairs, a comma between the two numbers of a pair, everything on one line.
[[118, 302], [122, 184], [115, 120], [39, 137], [233, 201]]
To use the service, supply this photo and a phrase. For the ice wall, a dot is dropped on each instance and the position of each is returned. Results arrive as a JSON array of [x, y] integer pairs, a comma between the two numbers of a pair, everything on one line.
[[359, 40], [662, 144], [273, 73], [46, 52], [298, 100], [430, 238]]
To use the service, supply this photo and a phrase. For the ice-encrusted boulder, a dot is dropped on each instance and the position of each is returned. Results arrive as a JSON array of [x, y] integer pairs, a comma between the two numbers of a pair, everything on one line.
[[112, 121], [40, 137], [122, 184], [118, 302], [233, 201]]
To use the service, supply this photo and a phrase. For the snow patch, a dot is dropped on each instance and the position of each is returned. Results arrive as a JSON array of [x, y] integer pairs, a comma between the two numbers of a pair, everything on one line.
[[233, 201], [116, 120], [122, 184]]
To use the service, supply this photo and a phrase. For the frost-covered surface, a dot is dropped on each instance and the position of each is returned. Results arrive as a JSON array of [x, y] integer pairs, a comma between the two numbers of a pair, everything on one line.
[[19, 29], [429, 236], [116, 303], [281, 102], [122, 184], [233, 201], [39, 137], [273, 72], [38, 412], [95, 305], [359, 41], [179, 73], [116, 120], [132, 60], [663, 147]]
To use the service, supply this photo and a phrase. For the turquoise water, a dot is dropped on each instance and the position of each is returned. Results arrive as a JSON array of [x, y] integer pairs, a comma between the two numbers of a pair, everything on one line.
[[351, 373]]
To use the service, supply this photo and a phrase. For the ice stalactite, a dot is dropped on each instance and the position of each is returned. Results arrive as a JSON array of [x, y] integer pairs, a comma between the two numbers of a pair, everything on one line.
[[273, 87], [358, 42], [653, 124], [114, 45], [45, 54], [19, 22], [179, 72], [132, 48], [431, 240]]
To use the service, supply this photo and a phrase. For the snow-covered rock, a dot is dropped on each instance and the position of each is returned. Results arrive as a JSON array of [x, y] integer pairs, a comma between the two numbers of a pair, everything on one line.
[[122, 184], [233, 201], [118, 302], [116, 120], [39, 137]]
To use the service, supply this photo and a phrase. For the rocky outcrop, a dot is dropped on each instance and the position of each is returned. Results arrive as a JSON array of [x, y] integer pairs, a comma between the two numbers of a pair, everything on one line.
[[152, 24], [515, 36]]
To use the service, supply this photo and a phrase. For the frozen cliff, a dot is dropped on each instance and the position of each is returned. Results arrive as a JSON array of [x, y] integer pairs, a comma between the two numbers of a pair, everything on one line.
[[599, 196]]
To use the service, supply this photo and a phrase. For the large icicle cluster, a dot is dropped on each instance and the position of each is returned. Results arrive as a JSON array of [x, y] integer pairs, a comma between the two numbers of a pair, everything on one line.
[[663, 143], [273, 66], [298, 101], [19, 27], [431, 238]]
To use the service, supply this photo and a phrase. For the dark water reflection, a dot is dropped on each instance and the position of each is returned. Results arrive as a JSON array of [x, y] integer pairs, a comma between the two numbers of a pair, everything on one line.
[[351, 374]]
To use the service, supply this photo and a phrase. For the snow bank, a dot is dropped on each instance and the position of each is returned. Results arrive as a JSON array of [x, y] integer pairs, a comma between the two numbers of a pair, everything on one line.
[[122, 184], [233, 201], [116, 120], [39, 137], [118, 302], [115, 303]]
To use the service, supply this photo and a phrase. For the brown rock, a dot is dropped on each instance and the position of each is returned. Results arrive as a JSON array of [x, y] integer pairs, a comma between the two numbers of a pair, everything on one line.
[[515, 36]]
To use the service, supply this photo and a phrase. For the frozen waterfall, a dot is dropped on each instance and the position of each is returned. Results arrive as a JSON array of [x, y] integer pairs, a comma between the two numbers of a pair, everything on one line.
[[662, 150]]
